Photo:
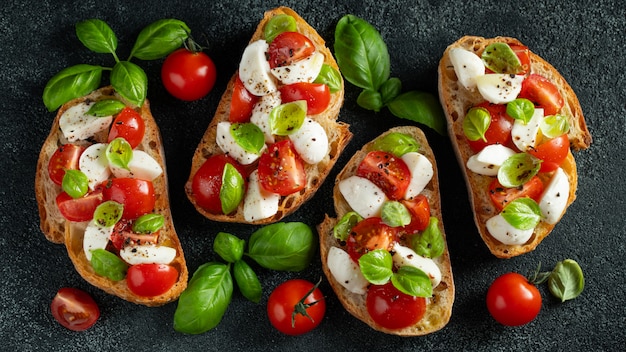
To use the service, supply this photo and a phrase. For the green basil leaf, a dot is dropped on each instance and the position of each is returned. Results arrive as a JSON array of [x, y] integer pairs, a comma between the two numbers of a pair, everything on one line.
[[412, 281], [395, 214], [108, 213], [390, 89], [361, 53], [148, 223], [97, 36], [420, 107], [566, 280], [370, 100], [72, 82], [130, 81], [228, 246], [75, 183], [203, 303], [232, 190], [106, 107], [119, 153], [107, 264], [522, 213], [430, 242], [476, 123], [247, 281], [331, 77], [248, 136], [521, 109], [376, 266], [287, 118], [554, 126], [500, 58], [288, 246], [159, 39], [518, 169], [397, 144], [277, 25], [342, 229]]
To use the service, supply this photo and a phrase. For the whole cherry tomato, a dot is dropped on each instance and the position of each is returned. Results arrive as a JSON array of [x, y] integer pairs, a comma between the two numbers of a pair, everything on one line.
[[188, 75], [151, 279], [393, 309], [74, 309], [296, 307], [512, 300]]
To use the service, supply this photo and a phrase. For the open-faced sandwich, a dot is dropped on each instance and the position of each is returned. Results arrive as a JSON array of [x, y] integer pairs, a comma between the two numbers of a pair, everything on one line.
[[385, 255], [275, 135], [101, 187], [512, 119]]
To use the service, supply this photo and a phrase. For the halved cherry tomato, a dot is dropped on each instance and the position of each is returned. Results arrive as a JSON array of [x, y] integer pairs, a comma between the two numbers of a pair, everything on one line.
[[241, 103], [370, 234], [188, 75], [123, 235], [552, 152], [290, 301], [136, 195], [387, 171], [523, 55], [66, 157], [499, 130], [288, 47], [393, 309], [129, 125], [79, 209], [420, 213], [542, 92], [317, 95], [74, 309], [281, 169], [207, 182], [150, 280], [512, 300], [502, 196]]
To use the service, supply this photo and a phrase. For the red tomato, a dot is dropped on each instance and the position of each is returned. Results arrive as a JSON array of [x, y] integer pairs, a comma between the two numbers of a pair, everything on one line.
[[393, 309], [129, 125], [512, 300], [281, 169], [499, 130], [136, 195], [288, 47], [370, 234], [241, 103], [207, 182], [543, 93], [552, 152], [420, 213], [502, 196], [387, 171], [150, 280], [79, 209], [66, 157], [123, 235], [291, 300], [524, 57], [74, 309], [317, 95], [188, 75]]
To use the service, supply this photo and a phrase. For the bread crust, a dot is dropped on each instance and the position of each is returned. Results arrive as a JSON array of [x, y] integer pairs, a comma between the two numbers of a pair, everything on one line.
[[338, 134], [439, 308], [58, 230], [456, 101]]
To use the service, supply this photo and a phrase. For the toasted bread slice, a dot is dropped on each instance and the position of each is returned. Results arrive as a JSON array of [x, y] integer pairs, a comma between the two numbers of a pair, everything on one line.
[[456, 101], [338, 134], [439, 306], [58, 230]]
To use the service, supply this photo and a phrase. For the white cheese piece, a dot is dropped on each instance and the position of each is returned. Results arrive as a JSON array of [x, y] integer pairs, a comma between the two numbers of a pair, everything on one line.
[[94, 164], [488, 161], [95, 237], [363, 196], [346, 271], [305, 70], [525, 135], [310, 141], [406, 256], [261, 114], [254, 69], [506, 233], [228, 145], [499, 88], [141, 166], [76, 125], [259, 203], [467, 66], [421, 173], [554, 198], [147, 254]]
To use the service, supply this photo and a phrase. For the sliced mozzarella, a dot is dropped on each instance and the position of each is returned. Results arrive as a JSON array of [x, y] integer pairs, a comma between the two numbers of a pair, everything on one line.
[[488, 161], [228, 145], [554, 198], [76, 125], [346, 271], [147, 254], [261, 114], [305, 70], [254, 69], [506, 233], [467, 66], [96, 237], [259, 203], [93, 163], [310, 141], [421, 172], [499, 88], [141, 166], [363, 196], [524, 135], [406, 256]]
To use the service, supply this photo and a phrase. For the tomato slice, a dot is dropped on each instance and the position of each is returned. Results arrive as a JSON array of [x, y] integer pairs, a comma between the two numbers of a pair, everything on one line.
[[502, 196], [370, 234], [542, 92], [241, 103], [393, 309], [289, 47], [207, 182], [66, 157], [387, 171], [524, 57], [150, 280], [552, 152], [123, 235], [499, 130], [420, 213], [74, 309], [136, 195], [281, 169], [129, 125], [317, 95], [79, 209]]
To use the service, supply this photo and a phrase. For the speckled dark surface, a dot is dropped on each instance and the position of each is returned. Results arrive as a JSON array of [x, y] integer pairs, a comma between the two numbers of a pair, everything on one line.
[[584, 40]]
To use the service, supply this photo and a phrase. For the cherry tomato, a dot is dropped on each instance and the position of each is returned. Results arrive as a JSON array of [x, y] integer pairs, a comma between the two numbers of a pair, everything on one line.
[[542, 92], [317, 95], [420, 213], [288, 47], [74, 309], [281, 169], [393, 309], [136, 195], [512, 300], [150, 280], [207, 182], [370, 234], [290, 300], [499, 130], [502, 196], [387, 171], [188, 75], [552, 152], [66, 157], [241, 103], [123, 235], [524, 57], [129, 125], [79, 209]]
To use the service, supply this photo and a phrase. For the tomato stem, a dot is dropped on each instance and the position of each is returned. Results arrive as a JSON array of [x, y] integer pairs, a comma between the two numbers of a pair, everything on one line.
[[301, 307], [537, 277]]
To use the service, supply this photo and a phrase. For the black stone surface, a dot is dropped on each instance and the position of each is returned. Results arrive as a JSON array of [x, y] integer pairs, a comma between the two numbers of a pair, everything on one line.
[[584, 40]]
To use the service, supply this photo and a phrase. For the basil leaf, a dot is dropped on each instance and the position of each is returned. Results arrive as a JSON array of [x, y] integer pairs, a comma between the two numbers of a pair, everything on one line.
[[283, 246], [370, 100], [412, 281], [521, 109], [228, 246], [232, 190], [554, 126], [566, 280], [72, 82], [107, 264], [397, 144], [75, 183], [247, 281], [376, 266], [518, 169], [248, 136], [522, 213], [159, 39], [106, 107], [395, 214], [119, 153], [97, 36], [130, 81], [342, 229], [361, 53], [331, 77], [277, 25], [203, 303], [287, 118], [500, 58], [148, 223], [108, 213], [419, 107], [429, 243], [476, 123], [390, 89]]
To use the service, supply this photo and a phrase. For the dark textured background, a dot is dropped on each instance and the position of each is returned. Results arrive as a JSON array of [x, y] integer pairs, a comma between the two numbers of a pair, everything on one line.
[[584, 40]]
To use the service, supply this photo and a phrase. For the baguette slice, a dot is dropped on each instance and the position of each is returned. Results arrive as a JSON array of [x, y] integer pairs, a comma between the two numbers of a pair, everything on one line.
[[337, 132], [58, 230], [439, 307], [456, 101]]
